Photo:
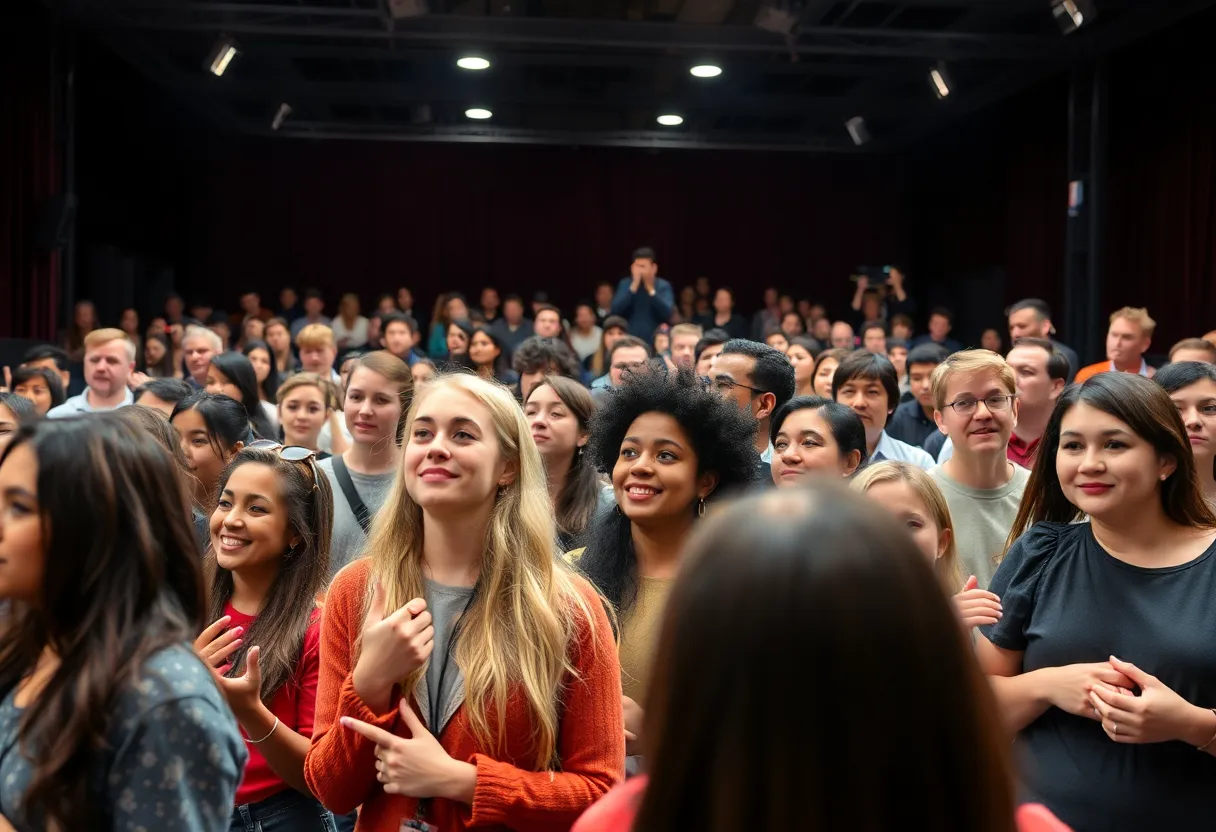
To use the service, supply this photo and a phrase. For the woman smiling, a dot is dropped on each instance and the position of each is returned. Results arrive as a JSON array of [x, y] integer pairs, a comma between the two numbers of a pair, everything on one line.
[[670, 445]]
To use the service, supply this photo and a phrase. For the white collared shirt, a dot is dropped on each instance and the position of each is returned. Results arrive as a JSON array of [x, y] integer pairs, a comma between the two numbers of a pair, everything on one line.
[[767, 456], [893, 449], [1143, 367]]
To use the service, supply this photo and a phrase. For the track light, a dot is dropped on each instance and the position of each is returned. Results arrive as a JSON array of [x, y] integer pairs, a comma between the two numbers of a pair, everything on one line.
[[221, 55], [473, 62], [1071, 15], [857, 130], [283, 113], [478, 113], [706, 71], [939, 80], [670, 120]]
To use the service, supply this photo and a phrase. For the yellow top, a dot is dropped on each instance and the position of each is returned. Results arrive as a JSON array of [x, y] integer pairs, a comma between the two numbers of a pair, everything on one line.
[[640, 628]]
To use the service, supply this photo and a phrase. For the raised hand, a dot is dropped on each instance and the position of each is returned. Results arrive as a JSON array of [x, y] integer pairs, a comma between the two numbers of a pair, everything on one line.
[[216, 643], [976, 606], [393, 647], [633, 724], [244, 693]]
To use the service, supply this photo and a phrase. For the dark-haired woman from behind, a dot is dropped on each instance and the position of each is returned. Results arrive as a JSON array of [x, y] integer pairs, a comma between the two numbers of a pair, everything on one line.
[[814, 434], [1103, 660], [670, 445], [559, 413], [109, 719], [1192, 388], [731, 745], [231, 374], [267, 562]]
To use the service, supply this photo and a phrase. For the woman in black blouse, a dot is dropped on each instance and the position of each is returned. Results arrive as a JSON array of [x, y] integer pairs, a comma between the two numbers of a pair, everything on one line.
[[1104, 661]]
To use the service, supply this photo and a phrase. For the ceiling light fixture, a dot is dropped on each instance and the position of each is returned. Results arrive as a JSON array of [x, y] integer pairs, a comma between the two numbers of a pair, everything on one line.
[[706, 71], [1071, 15], [280, 116], [857, 130], [671, 120], [221, 55], [478, 113], [940, 81], [473, 62]]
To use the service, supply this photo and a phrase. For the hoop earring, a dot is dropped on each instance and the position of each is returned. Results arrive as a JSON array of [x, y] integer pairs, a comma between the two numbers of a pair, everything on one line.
[[701, 508]]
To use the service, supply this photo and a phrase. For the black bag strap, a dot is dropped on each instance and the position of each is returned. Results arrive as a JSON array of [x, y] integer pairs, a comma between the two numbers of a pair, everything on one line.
[[352, 496]]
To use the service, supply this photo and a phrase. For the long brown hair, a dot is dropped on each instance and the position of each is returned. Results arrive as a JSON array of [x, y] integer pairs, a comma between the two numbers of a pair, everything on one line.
[[290, 601], [576, 506], [734, 744], [1144, 407], [121, 582]]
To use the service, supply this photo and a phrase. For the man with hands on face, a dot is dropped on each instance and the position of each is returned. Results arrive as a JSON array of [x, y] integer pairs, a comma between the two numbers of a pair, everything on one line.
[[644, 299]]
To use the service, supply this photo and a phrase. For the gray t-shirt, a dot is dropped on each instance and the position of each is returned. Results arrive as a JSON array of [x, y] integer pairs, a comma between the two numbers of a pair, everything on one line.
[[446, 604], [982, 519], [173, 757], [348, 540]]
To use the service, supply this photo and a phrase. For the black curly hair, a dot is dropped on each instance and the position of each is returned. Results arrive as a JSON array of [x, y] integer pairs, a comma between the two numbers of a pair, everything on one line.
[[722, 437]]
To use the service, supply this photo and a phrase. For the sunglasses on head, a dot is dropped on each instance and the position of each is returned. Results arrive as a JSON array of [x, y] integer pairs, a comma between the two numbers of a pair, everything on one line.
[[291, 453]]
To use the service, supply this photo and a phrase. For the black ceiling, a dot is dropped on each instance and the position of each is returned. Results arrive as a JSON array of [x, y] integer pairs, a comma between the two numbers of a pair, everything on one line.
[[601, 71]]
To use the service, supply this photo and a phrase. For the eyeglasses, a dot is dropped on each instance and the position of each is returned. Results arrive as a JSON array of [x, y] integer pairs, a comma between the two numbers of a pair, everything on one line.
[[290, 453], [630, 365], [726, 385], [965, 407]]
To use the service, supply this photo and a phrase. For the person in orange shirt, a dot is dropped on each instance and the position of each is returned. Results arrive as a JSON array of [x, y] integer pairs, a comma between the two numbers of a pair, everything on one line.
[[1127, 340], [468, 678]]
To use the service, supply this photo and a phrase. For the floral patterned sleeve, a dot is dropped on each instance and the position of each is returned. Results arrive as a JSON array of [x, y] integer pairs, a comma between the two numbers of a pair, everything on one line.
[[177, 770], [178, 762]]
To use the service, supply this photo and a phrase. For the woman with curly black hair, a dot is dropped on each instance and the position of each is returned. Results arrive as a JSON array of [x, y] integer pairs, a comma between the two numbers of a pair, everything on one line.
[[669, 444]]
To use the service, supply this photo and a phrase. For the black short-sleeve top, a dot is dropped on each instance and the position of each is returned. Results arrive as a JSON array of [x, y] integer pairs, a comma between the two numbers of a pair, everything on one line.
[[1067, 601]]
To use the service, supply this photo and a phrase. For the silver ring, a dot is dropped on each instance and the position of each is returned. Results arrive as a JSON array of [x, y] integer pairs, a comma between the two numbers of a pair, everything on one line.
[[1114, 727]]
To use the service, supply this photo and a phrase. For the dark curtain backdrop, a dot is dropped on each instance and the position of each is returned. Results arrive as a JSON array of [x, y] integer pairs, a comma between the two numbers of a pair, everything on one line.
[[30, 173], [986, 214], [1161, 240], [370, 217], [976, 212]]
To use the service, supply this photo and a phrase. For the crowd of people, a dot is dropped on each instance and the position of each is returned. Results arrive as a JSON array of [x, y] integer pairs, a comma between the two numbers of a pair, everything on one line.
[[652, 565]]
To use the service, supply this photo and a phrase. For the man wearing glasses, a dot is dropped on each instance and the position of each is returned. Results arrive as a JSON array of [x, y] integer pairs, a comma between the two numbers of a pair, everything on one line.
[[975, 396], [759, 379]]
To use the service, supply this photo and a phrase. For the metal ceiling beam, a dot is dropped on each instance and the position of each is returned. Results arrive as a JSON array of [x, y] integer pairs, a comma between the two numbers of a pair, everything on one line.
[[236, 19], [439, 55], [652, 139], [505, 93]]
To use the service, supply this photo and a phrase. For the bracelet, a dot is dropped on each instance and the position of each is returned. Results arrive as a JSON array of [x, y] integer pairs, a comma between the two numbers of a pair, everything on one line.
[[1204, 747], [276, 725]]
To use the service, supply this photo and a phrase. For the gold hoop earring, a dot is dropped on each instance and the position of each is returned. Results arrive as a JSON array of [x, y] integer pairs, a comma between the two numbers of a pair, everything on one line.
[[701, 508]]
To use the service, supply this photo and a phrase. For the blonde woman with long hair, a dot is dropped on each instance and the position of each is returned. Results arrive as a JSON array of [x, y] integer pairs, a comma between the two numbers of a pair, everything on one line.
[[912, 496], [474, 675]]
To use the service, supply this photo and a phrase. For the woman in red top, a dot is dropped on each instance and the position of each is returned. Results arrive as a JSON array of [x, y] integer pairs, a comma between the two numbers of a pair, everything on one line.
[[825, 686], [267, 562], [474, 675]]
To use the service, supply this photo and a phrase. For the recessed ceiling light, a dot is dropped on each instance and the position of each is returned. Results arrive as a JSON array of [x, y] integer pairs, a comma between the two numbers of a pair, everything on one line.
[[473, 62], [477, 112], [706, 71], [671, 120]]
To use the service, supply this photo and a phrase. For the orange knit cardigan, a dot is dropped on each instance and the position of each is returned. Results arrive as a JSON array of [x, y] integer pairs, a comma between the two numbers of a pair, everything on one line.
[[340, 766]]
